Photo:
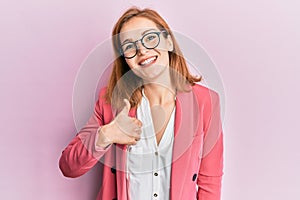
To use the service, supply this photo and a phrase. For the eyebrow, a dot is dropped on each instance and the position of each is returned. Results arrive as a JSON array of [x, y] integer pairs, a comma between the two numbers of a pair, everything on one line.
[[143, 33]]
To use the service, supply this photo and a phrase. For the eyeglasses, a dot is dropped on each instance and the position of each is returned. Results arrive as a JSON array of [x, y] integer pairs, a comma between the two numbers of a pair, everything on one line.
[[149, 41]]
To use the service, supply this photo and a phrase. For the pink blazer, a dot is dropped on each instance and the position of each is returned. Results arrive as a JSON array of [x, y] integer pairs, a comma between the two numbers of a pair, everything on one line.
[[197, 151]]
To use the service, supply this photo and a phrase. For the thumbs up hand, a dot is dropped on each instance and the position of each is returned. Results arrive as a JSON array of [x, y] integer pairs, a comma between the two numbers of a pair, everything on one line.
[[122, 130]]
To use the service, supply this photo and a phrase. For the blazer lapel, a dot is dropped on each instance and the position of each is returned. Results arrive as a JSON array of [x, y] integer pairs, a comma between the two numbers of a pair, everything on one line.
[[183, 137]]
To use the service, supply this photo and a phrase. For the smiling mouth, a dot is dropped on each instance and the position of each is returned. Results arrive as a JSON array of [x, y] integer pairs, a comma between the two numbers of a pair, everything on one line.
[[148, 61]]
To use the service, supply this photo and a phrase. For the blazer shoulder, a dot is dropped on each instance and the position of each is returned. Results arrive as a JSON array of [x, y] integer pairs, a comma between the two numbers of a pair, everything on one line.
[[102, 92], [205, 93], [102, 98]]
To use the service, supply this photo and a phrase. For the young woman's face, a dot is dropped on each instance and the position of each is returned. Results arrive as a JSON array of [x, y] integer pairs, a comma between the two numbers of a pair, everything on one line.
[[148, 64]]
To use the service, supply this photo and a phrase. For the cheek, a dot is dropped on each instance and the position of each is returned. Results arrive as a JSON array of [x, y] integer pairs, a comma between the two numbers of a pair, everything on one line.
[[130, 63], [165, 57], [163, 46]]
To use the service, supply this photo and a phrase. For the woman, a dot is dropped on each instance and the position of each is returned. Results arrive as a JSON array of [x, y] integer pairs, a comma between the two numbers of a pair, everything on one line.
[[157, 133]]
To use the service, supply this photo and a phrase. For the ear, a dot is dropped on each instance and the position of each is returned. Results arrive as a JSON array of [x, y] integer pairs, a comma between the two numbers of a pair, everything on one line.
[[170, 45]]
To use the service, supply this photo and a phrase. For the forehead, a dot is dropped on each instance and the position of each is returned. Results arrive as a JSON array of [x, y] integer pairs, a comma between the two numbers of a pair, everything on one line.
[[135, 27]]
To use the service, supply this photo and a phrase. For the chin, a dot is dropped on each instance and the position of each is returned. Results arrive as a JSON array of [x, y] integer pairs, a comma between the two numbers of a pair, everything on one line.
[[152, 73]]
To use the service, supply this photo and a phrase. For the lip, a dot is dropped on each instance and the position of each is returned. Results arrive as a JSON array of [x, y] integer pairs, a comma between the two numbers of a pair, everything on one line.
[[148, 64]]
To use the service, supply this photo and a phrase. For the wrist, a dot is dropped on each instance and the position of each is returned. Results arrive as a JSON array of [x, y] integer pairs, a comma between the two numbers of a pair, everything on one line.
[[103, 139]]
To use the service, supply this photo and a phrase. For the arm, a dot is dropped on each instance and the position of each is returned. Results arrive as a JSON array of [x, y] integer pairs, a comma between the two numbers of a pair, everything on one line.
[[94, 139], [81, 154], [211, 169]]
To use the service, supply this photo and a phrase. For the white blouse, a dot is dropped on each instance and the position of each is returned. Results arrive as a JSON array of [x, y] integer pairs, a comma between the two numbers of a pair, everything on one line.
[[149, 164]]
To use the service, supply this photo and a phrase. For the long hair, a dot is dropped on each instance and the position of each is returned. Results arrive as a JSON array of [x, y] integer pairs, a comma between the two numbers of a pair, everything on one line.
[[123, 83]]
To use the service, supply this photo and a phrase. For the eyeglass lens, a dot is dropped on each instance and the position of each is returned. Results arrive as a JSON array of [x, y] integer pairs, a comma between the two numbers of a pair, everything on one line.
[[149, 41]]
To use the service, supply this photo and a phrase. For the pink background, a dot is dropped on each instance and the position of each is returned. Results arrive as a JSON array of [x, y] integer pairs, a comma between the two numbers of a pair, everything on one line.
[[254, 44]]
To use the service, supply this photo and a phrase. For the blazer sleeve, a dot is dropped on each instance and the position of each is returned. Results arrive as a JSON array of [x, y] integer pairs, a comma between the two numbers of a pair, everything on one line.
[[211, 168], [81, 155]]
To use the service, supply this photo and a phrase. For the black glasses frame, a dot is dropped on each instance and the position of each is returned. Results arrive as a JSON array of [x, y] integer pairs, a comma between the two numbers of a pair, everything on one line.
[[136, 47]]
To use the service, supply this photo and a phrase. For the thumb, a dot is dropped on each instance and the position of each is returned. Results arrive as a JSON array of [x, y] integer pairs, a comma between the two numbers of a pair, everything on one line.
[[126, 108]]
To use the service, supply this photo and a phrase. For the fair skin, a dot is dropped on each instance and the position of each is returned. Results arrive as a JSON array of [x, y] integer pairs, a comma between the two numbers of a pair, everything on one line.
[[157, 86]]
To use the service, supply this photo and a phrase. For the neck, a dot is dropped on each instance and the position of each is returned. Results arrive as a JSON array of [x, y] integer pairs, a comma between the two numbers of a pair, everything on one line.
[[159, 94], [160, 90]]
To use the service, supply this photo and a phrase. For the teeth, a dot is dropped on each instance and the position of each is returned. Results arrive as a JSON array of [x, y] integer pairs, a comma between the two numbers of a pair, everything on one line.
[[145, 62]]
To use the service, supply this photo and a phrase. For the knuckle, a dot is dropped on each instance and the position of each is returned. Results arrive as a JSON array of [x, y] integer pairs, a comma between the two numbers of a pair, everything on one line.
[[133, 142]]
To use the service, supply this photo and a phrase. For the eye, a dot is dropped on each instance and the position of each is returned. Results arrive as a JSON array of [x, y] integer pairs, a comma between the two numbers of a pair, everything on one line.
[[150, 37], [128, 47]]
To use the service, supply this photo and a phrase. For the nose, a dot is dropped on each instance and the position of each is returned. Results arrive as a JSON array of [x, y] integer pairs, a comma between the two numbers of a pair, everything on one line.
[[140, 47]]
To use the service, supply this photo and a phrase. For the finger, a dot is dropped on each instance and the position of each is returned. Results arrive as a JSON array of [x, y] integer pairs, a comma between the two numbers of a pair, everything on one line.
[[134, 132], [136, 139], [132, 142], [138, 130], [126, 108], [137, 122], [130, 129], [130, 125]]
